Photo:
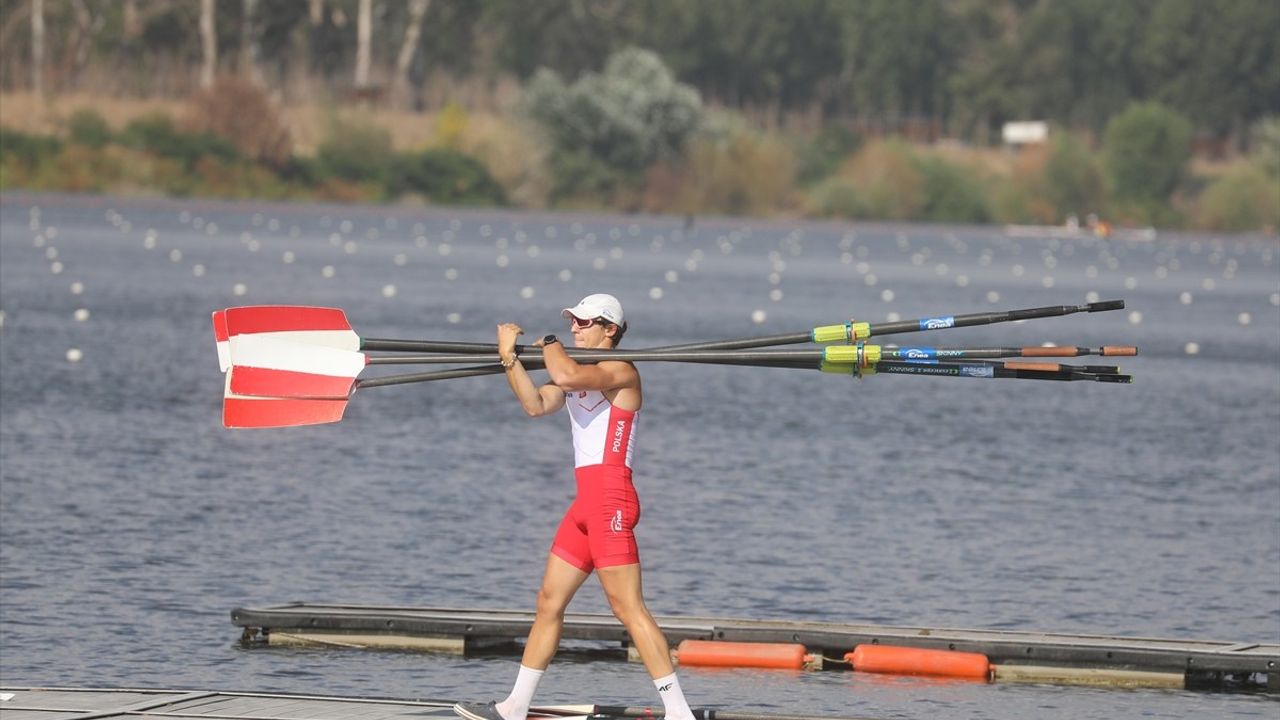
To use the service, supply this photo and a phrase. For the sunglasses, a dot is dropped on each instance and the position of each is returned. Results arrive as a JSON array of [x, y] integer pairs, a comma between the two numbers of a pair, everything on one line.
[[583, 324]]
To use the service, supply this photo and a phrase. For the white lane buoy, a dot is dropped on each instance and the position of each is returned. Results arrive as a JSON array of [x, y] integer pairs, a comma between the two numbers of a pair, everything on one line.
[[175, 255], [77, 288], [444, 248], [1207, 284], [566, 275], [892, 317], [1275, 298], [1244, 318], [51, 253], [56, 268], [1047, 281], [502, 261], [672, 276], [526, 292], [655, 293], [962, 281], [197, 270], [74, 355], [81, 314], [453, 318], [239, 289], [758, 316], [1192, 348], [1135, 318], [328, 271], [775, 295], [870, 279], [1, 318], [288, 257], [1185, 298], [388, 290], [451, 274], [1091, 297], [993, 296], [886, 295], [400, 259], [350, 247]]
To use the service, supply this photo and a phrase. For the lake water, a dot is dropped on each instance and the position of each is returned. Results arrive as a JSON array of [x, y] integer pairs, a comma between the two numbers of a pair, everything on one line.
[[132, 523]]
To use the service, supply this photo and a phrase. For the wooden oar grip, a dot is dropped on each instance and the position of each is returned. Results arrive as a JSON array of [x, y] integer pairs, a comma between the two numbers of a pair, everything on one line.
[[1114, 350], [1041, 367], [1049, 352]]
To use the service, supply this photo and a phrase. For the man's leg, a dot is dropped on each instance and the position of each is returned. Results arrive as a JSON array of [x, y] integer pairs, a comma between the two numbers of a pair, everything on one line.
[[622, 586]]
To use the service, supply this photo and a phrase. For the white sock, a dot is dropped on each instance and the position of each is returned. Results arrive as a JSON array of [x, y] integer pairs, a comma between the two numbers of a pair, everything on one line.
[[673, 702], [516, 706]]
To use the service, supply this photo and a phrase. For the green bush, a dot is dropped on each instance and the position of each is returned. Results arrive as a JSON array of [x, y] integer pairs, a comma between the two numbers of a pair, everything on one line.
[[1242, 200], [1266, 146], [445, 176], [356, 152], [88, 127], [1073, 180], [950, 193], [30, 150], [821, 156], [158, 134], [625, 119], [1146, 149]]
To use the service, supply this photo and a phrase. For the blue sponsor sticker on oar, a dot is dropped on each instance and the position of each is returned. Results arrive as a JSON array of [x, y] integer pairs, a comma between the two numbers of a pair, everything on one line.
[[919, 354], [937, 323]]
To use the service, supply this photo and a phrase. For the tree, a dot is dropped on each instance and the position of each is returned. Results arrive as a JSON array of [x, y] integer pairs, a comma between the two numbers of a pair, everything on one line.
[[619, 121], [209, 43], [1146, 149]]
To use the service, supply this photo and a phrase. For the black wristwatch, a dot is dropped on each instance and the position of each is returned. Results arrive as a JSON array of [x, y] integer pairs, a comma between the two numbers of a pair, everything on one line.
[[548, 339]]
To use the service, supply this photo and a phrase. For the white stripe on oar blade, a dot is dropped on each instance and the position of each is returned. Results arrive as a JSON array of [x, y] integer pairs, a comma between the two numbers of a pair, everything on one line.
[[265, 366], [220, 337], [315, 325], [239, 411]]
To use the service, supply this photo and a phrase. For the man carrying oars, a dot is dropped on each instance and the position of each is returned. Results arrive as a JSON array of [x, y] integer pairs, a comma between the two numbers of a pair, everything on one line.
[[596, 533]]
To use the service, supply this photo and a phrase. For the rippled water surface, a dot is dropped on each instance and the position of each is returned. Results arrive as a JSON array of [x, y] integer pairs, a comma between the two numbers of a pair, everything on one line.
[[132, 522]]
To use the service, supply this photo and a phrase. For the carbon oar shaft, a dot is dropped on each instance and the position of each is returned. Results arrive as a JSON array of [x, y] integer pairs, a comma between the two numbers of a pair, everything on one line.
[[905, 326], [921, 354]]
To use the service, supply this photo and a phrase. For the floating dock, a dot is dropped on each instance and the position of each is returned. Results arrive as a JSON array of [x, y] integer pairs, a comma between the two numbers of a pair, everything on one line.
[[1015, 656], [102, 704]]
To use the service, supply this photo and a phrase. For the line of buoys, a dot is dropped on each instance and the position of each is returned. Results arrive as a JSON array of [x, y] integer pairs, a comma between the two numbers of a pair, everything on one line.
[[711, 653], [891, 660]]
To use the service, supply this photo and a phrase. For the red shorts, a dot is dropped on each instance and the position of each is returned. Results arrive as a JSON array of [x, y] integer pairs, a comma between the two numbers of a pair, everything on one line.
[[597, 531]]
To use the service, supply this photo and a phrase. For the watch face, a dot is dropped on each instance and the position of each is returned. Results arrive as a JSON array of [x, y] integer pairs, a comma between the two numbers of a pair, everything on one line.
[[547, 340]]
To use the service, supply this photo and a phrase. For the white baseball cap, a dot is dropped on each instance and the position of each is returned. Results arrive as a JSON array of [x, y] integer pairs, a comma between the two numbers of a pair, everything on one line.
[[599, 305]]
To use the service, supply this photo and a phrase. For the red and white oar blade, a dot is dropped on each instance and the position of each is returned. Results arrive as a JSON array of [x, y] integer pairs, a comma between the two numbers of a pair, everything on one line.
[[220, 337], [296, 323], [239, 411], [265, 366]]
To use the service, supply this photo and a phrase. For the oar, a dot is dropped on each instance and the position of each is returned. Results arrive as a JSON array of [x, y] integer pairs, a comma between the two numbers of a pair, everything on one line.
[[287, 412], [267, 366], [329, 326], [914, 354]]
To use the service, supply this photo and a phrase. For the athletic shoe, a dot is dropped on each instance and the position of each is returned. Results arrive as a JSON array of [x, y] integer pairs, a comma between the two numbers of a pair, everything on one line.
[[478, 711]]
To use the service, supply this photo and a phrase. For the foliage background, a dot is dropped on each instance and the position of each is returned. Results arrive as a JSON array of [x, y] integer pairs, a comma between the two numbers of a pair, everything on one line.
[[1162, 111]]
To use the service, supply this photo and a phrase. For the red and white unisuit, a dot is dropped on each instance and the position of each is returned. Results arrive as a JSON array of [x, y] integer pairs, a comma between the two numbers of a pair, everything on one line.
[[597, 530]]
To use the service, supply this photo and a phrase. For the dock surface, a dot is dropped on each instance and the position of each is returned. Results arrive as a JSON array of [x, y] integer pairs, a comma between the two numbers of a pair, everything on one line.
[[107, 703], [1037, 656]]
